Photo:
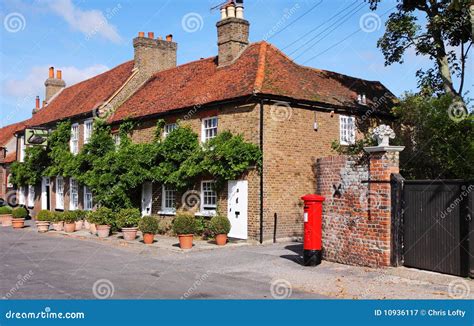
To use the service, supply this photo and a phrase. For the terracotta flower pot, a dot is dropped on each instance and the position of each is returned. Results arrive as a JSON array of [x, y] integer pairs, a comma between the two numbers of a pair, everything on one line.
[[58, 226], [18, 223], [6, 219], [87, 225], [185, 241], [79, 225], [69, 227], [221, 239], [129, 234], [103, 231], [42, 226], [148, 238], [93, 229]]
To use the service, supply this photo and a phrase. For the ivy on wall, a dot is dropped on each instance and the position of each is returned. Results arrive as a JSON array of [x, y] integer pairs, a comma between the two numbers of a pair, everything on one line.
[[114, 173]]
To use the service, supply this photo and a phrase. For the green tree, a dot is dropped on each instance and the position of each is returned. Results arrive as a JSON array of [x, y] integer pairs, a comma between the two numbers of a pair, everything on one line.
[[443, 25], [436, 145]]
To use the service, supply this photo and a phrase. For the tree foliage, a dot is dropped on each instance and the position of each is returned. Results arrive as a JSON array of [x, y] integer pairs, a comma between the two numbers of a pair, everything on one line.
[[434, 29]]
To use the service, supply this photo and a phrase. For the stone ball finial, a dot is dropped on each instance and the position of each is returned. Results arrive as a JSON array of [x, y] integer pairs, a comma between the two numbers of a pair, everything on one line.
[[382, 134]]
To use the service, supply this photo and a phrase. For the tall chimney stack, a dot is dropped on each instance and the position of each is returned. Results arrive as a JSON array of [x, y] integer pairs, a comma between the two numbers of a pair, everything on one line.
[[153, 55], [53, 85], [232, 32]]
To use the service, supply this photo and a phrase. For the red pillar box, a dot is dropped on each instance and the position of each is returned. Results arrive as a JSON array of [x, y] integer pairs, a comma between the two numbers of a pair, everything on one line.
[[313, 211]]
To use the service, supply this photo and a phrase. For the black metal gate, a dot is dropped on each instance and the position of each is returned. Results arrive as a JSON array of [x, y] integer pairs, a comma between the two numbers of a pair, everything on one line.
[[435, 225]]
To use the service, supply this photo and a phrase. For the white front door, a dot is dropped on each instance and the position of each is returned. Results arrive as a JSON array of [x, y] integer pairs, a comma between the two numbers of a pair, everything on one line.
[[45, 193], [147, 194], [237, 208]]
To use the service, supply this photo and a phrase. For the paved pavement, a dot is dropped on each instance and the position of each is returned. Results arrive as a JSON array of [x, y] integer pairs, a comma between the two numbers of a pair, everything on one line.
[[55, 266]]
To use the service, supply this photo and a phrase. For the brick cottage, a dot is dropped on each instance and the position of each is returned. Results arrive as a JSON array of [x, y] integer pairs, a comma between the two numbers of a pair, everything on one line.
[[292, 112]]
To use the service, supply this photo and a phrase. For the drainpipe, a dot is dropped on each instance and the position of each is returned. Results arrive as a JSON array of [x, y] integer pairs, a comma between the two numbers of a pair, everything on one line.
[[261, 172]]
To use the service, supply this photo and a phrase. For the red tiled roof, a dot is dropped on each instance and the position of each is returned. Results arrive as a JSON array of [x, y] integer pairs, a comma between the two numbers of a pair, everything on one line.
[[10, 158], [260, 69], [83, 97], [7, 132]]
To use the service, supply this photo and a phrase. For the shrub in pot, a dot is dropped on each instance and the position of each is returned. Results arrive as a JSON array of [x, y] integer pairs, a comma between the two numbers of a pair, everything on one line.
[[80, 216], [69, 218], [6, 215], [57, 220], [103, 218], [220, 227], [184, 225], [43, 220], [149, 226], [128, 220], [19, 214]]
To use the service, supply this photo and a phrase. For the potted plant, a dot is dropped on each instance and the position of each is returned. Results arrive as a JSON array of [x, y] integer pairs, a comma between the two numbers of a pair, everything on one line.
[[184, 225], [57, 221], [128, 220], [220, 227], [149, 226], [6, 215], [69, 221], [80, 216], [103, 218], [18, 217], [43, 220]]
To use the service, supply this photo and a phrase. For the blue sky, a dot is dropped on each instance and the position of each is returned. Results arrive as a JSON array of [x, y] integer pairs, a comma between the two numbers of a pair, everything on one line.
[[84, 38]]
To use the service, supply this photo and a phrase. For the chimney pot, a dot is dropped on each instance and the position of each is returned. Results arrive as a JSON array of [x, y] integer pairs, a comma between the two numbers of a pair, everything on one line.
[[169, 37], [223, 13], [37, 106], [51, 72], [59, 74], [151, 35], [231, 11], [141, 34]]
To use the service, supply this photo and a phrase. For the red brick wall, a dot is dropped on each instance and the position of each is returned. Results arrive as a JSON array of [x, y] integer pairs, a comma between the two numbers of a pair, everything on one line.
[[356, 224]]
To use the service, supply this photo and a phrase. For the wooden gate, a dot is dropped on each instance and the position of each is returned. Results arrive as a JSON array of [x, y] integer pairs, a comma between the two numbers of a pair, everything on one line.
[[435, 225]]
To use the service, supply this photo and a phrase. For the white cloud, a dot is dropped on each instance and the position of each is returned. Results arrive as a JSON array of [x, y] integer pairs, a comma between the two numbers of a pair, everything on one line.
[[33, 84], [88, 22]]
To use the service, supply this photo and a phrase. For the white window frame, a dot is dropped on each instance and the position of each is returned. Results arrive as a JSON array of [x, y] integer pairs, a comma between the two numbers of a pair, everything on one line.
[[208, 209], [116, 138], [166, 191], [59, 192], [168, 128], [74, 141], [22, 195], [73, 194], [22, 149], [31, 196], [207, 127], [347, 130], [88, 129], [88, 199]]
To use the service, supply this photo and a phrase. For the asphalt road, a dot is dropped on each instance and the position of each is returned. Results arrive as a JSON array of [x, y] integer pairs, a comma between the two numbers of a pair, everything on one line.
[[41, 266]]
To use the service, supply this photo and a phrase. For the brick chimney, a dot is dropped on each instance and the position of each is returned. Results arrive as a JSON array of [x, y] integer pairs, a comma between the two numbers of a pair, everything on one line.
[[37, 105], [53, 85], [153, 55], [232, 32]]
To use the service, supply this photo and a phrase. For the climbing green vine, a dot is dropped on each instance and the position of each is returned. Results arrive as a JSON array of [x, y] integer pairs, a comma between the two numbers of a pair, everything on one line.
[[114, 174]]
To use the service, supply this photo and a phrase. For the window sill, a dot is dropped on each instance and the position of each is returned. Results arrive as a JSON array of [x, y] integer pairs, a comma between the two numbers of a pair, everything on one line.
[[206, 214], [167, 213]]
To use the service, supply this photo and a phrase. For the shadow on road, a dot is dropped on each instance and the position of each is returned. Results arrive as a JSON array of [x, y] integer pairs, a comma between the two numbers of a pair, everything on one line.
[[298, 250]]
